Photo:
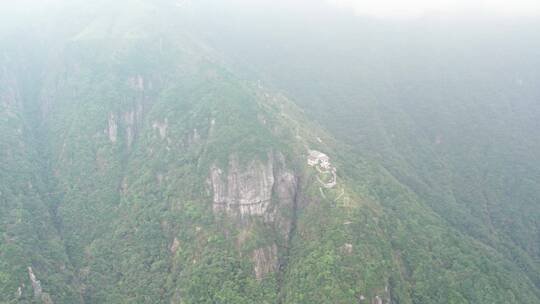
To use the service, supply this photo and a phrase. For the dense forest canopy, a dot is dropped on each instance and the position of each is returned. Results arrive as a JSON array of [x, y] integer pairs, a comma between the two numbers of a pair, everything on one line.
[[156, 151]]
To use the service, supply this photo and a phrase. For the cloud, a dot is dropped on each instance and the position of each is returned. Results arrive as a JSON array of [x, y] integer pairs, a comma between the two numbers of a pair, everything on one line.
[[417, 8]]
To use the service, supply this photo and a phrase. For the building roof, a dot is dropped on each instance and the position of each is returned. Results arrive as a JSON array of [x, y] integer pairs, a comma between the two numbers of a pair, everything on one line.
[[317, 154]]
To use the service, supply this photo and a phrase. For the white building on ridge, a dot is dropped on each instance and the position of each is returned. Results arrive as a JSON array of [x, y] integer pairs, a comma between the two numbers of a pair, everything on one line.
[[318, 158]]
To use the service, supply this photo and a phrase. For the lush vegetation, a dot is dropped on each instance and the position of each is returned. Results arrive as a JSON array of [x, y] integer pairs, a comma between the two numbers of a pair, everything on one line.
[[109, 128]]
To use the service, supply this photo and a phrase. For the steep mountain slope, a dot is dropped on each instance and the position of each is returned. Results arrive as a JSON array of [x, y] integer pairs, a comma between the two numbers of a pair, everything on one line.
[[137, 167], [32, 255], [448, 107]]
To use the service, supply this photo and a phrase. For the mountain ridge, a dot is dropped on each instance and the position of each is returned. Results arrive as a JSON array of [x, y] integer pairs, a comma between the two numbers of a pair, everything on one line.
[[146, 169]]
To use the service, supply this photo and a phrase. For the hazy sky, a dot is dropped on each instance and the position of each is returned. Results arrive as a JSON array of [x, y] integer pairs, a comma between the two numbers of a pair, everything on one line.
[[374, 8], [416, 8]]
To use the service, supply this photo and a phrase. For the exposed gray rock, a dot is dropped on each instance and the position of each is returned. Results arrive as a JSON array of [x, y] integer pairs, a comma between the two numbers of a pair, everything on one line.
[[243, 192], [174, 246], [36, 284], [266, 190], [113, 128], [347, 249], [265, 261], [161, 127], [196, 136], [129, 121], [285, 193]]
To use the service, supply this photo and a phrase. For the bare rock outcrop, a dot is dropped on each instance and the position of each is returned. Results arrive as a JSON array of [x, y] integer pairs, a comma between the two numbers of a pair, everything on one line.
[[174, 246], [161, 127], [113, 128], [254, 190], [38, 290], [266, 190], [36, 284], [265, 261], [129, 122], [243, 192]]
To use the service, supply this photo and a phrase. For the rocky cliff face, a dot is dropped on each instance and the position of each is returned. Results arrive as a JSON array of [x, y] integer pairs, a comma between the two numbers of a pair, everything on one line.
[[243, 192], [265, 261], [266, 190], [260, 189]]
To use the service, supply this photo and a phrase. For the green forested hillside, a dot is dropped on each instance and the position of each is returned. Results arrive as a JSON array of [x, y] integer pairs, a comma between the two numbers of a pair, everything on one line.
[[148, 156], [449, 109]]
